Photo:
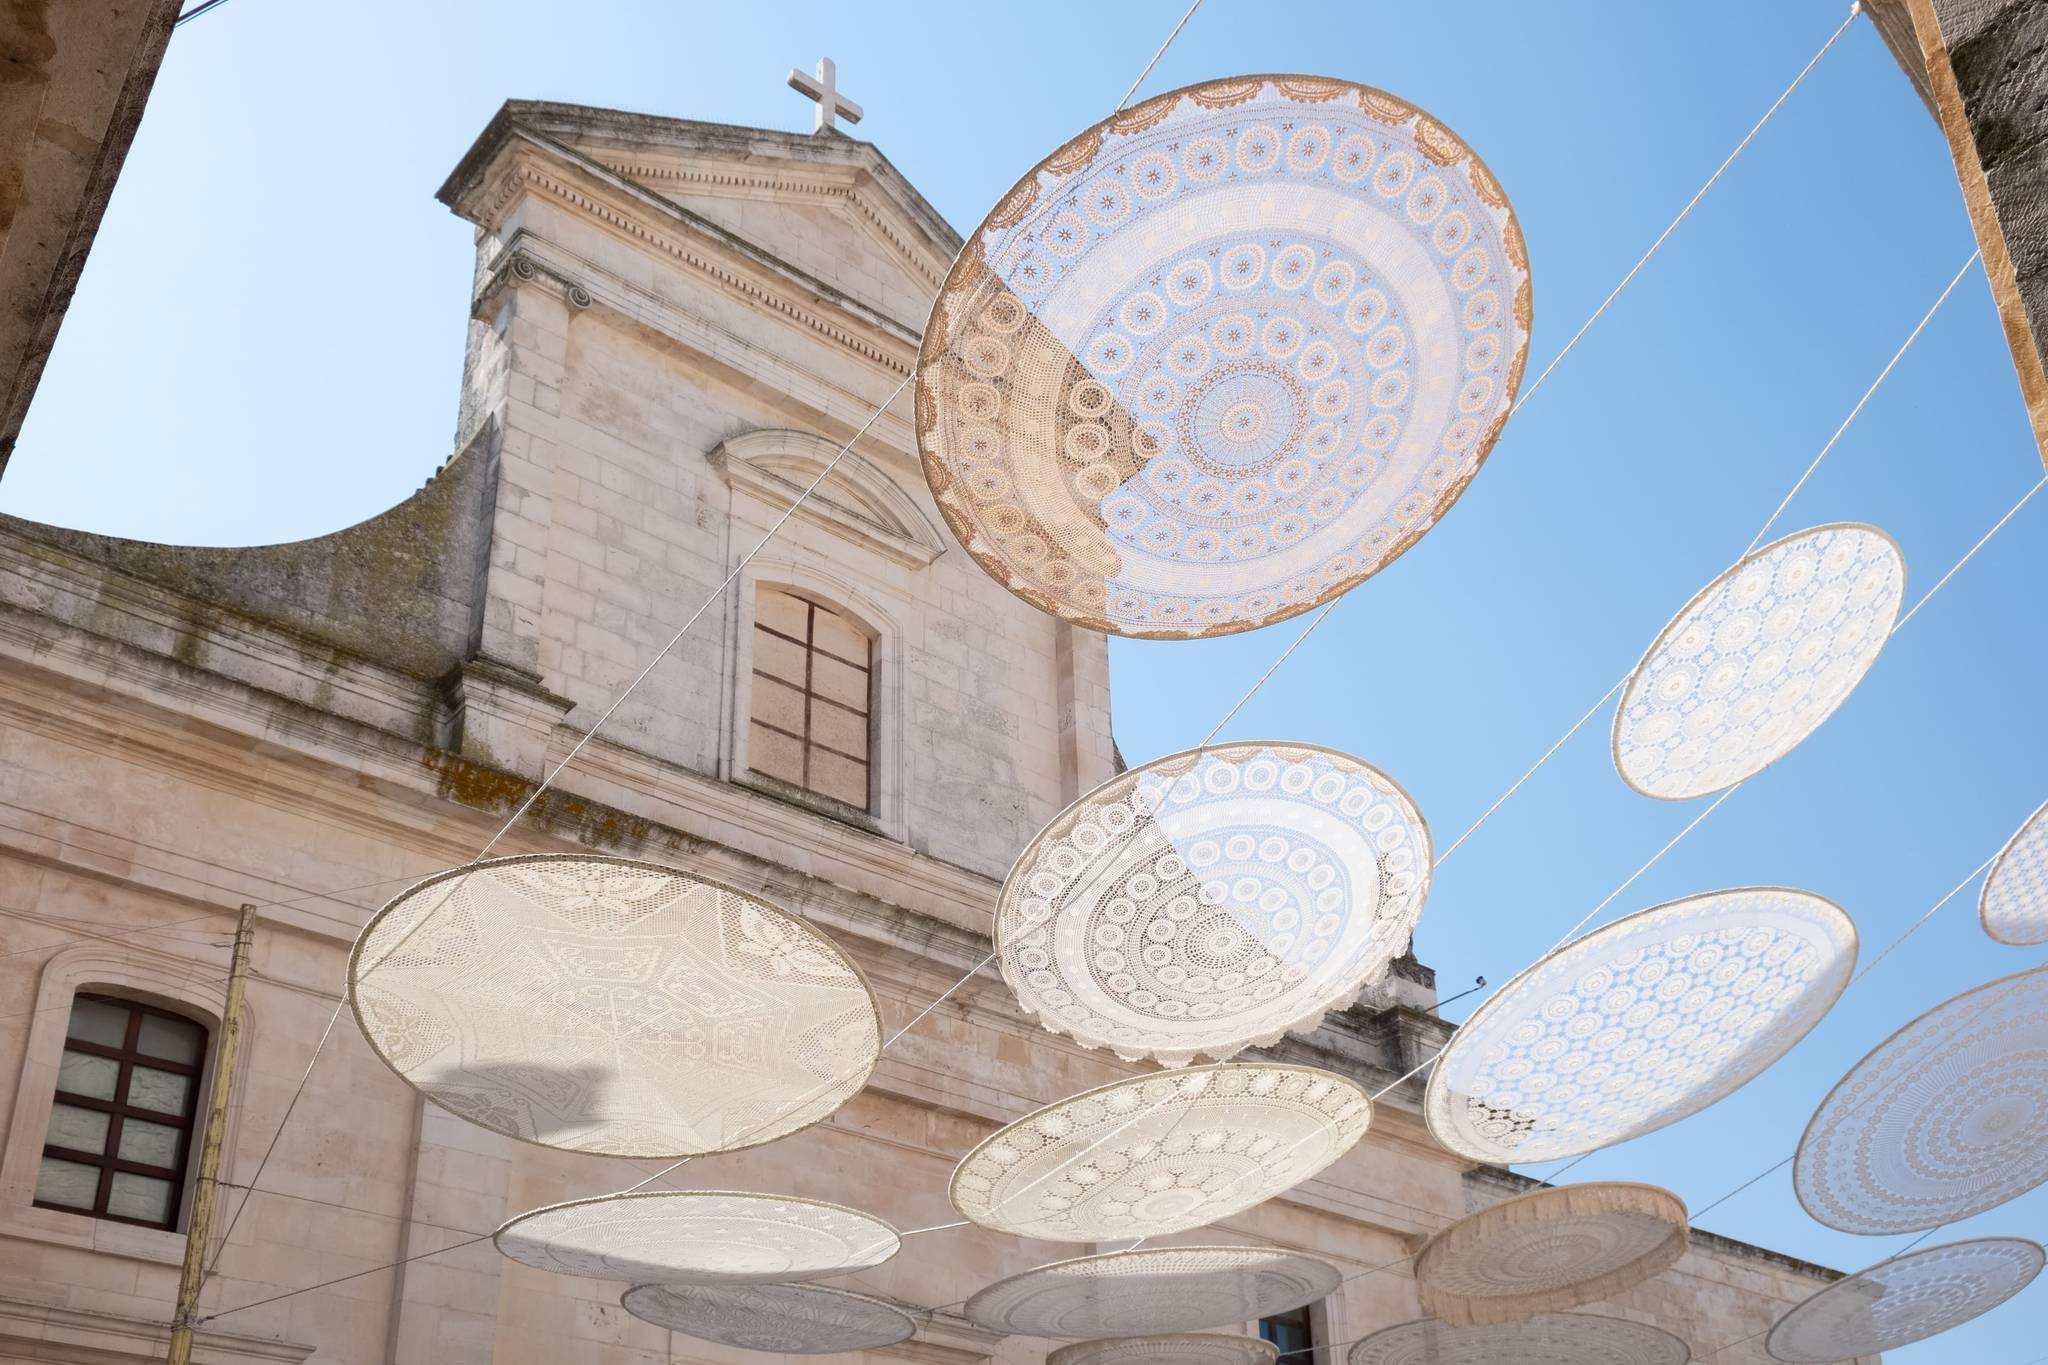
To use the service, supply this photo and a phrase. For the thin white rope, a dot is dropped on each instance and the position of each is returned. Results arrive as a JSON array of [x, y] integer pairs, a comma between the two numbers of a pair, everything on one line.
[[1868, 394], [1970, 554], [1285, 655], [1157, 55], [1548, 754]]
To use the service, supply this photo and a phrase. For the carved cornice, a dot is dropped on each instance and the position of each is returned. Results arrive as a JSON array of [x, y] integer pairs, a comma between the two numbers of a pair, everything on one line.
[[728, 263]]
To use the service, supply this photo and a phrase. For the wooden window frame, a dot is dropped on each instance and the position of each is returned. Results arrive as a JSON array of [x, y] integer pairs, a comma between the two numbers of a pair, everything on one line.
[[1303, 1318], [118, 1110], [805, 743]]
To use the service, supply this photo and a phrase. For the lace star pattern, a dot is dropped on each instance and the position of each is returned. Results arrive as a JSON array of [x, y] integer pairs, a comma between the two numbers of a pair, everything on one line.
[[698, 1237], [1906, 1299], [1152, 1291], [1757, 661], [780, 1319], [1183, 1349], [1946, 1118], [1557, 1339], [1639, 1024], [1159, 1154], [1549, 1251], [2014, 904], [1223, 356], [1213, 900], [601, 1005]]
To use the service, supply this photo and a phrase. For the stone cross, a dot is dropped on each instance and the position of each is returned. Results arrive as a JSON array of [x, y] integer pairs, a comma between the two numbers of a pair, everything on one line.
[[831, 104]]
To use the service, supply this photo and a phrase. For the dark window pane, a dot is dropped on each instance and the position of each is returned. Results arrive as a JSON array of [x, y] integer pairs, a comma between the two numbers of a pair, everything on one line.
[[81, 1073], [174, 1040], [72, 1184], [99, 1021]]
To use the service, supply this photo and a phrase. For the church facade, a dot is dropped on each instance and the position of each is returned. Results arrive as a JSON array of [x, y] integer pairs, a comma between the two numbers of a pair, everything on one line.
[[675, 326]]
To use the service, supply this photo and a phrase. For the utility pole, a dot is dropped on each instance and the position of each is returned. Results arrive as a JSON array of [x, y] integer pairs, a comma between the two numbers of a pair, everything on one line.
[[198, 1231]]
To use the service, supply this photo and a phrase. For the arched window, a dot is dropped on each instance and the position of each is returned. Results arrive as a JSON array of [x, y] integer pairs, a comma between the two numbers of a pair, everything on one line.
[[812, 699], [122, 1119]]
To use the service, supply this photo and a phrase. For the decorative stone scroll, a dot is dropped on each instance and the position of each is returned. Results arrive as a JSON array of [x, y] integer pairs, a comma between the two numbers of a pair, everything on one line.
[[1160, 1153], [1559, 1339], [2014, 903], [1639, 1024], [1758, 660], [1906, 1299], [1213, 899], [601, 1005], [1223, 356], [781, 1319], [1549, 1251], [1152, 1291], [698, 1237], [1946, 1118], [1184, 1349]]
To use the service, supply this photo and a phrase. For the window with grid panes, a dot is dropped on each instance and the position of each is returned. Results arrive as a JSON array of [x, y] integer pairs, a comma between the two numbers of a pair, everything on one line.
[[812, 692], [121, 1124]]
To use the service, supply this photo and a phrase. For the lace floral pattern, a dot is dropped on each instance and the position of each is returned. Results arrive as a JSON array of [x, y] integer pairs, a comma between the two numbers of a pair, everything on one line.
[[698, 1237], [1152, 1291], [1906, 1299]]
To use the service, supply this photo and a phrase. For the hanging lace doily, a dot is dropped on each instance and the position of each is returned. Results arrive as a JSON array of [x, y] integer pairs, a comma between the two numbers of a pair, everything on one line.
[[698, 1237], [1946, 1118], [1159, 1154], [1213, 900], [1906, 1299], [1558, 1339], [1639, 1024], [1152, 1291], [780, 1319], [1758, 661], [601, 1005], [1185, 1349], [2014, 903], [1550, 1251], [1223, 356]]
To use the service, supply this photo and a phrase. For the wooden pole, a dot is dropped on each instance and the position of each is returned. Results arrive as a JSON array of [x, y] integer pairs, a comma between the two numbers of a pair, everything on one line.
[[198, 1231]]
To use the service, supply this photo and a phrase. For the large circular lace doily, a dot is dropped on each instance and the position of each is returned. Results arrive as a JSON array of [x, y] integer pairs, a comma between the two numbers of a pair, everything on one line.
[[698, 1237], [1223, 356], [1558, 1339], [1639, 1024], [1758, 660], [1184, 1349], [1162, 1153], [1152, 1291], [2014, 903], [1549, 1251], [1906, 1299], [1212, 900], [1946, 1118], [601, 1005], [781, 1319]]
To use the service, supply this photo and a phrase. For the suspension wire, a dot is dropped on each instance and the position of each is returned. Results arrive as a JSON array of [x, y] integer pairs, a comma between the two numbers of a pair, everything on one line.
[[1868, 394], [1156, 56], [2025, 498]]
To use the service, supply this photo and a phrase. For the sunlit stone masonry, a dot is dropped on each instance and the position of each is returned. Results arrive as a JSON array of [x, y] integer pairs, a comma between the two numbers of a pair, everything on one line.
[[673, 326]]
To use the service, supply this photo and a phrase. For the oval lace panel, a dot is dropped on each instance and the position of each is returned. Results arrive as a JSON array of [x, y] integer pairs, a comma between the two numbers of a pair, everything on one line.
[[1184, 1349], [1946, 1118], [1550, 1251], [1758, 660], [698, 1237], [1559, 1339], [2014, 903], [1213, 900], [1639, 1024], [1906, 1299], [1162, 1153], [1223, 356], [781, 1319], [1152, 1291], [601, 1005]]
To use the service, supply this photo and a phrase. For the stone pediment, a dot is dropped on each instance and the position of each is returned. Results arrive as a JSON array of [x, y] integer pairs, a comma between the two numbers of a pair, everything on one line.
[[826, 204], [858, 501]]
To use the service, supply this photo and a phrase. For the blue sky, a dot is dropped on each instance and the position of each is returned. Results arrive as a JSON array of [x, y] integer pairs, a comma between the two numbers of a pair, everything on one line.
[[268, 338]]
